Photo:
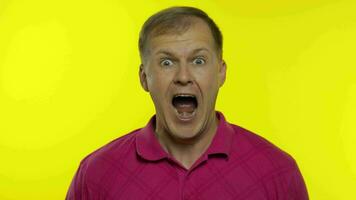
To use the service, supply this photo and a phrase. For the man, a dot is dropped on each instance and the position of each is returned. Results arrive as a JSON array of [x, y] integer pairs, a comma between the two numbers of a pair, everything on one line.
[[187, 150]]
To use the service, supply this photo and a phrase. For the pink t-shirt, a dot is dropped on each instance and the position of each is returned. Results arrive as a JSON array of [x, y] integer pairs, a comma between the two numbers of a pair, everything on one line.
[[238, 164]]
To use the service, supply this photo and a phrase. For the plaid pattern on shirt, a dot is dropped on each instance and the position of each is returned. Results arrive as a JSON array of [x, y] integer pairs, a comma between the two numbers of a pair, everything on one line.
[[238, 165]]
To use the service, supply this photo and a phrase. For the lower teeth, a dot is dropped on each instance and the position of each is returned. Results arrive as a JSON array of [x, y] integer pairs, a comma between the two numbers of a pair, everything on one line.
[[186, 114]]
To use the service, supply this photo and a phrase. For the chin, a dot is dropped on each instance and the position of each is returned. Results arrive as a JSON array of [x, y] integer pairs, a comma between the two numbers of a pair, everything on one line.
[[186, 132]]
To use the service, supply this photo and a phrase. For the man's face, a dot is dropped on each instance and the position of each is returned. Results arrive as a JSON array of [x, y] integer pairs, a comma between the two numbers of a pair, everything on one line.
[[183, 74]]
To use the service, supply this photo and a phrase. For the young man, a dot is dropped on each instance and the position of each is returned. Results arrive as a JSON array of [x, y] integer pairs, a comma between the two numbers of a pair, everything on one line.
[[187, 150]]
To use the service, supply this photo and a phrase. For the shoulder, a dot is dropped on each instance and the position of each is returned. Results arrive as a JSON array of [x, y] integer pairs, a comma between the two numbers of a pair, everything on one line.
[[113, 147], [261, 155], [98, 170], [275, 169], [109, 157]]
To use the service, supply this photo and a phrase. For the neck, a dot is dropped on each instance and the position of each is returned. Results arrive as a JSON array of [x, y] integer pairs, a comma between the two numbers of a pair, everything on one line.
[[187, 152]]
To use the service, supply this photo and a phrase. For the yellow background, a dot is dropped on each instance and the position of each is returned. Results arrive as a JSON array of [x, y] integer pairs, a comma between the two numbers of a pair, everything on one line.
[[69, 84]]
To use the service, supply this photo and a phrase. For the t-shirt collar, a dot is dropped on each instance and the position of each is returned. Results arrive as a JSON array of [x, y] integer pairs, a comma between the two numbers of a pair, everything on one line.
[[149, 148]]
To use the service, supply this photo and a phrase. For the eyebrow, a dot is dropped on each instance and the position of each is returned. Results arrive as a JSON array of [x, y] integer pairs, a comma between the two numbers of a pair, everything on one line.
[[167, 52]]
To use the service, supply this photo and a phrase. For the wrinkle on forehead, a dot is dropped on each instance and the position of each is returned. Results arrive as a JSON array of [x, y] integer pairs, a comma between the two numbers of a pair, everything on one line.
[[190, 40], [197, 35], [186, 52]]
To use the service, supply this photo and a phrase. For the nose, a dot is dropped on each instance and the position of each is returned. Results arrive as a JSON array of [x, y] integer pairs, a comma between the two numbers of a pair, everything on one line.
[[183, 75]]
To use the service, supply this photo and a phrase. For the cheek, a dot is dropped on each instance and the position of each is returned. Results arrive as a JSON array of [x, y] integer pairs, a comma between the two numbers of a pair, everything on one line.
[[208, 80], [158, 84], [156, 76], [160, 80], [209, 85]]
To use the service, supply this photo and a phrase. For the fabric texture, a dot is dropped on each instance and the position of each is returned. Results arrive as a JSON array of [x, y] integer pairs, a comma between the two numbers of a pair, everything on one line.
[[238, 164]]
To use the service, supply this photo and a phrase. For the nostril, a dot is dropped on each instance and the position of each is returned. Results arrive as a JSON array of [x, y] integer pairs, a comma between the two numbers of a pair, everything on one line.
[[183, 82], [183, 76]]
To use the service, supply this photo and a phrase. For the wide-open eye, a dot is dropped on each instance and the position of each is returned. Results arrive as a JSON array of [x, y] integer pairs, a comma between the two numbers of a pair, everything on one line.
[[199, 61], [166, 62]]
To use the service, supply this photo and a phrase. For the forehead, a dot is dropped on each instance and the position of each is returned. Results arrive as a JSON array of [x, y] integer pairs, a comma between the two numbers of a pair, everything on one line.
[[197, 37]]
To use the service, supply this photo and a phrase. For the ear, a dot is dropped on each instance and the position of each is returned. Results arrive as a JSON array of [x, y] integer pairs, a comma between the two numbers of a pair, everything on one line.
[[143, 78], [222, 73]]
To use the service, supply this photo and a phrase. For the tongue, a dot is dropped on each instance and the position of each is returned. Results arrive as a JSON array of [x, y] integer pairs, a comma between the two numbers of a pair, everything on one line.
[[185, 107]]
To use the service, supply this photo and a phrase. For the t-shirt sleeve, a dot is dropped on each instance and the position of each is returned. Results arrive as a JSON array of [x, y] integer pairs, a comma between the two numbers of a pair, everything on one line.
[[297, 189], [78, 189]]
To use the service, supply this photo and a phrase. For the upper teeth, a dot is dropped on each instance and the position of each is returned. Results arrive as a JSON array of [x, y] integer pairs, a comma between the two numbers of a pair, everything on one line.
[[184, 95]]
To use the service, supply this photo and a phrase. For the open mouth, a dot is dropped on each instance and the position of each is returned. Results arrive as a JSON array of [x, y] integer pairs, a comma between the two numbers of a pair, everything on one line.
[[185, 105]]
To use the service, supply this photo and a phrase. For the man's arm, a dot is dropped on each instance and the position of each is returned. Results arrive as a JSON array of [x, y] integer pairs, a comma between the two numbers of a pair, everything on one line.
[[78, 189], [297, 189]]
